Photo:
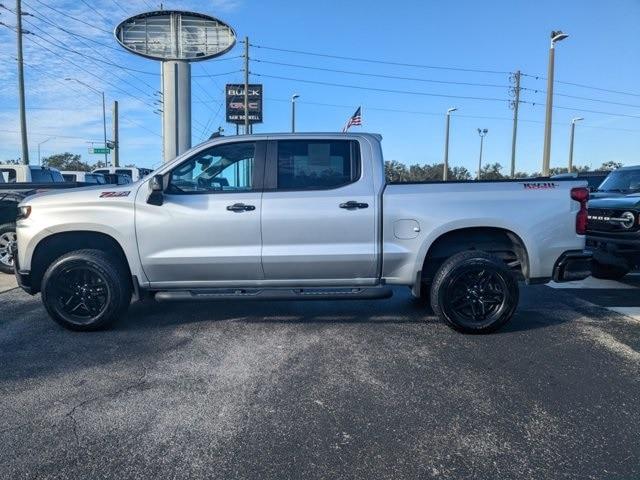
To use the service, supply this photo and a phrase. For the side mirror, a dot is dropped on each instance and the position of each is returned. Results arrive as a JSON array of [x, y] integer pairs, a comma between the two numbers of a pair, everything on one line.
[[156, 185]]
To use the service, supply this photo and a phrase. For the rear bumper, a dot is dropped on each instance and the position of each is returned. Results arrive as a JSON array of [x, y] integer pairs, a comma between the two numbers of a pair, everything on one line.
[[23, 277], [573, 265]]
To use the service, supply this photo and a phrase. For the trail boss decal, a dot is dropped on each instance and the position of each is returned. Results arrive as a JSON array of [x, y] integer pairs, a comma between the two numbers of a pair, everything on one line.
[[539, 185], [114, 194]]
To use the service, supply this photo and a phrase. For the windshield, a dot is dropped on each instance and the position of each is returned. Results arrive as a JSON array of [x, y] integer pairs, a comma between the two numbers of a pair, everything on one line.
[[624, 181]]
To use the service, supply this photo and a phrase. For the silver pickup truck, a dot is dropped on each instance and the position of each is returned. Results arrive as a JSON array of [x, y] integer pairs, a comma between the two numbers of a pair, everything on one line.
[[303, 217]]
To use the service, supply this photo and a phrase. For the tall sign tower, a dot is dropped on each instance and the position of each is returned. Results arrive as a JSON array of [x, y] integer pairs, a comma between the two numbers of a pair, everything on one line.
[[175, 38]]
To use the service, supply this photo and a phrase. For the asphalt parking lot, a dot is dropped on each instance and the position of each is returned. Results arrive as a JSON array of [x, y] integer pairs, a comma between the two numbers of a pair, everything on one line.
[[373, 389]]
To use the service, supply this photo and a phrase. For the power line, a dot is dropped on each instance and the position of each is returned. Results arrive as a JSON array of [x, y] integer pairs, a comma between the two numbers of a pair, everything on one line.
[[95, 59], [435, 114], [577, 97], [384, 90], [368, 60], [73, 18], [95, 10], [582, 85], [75, 34], [351, 72], [95, 76], [92, 59]]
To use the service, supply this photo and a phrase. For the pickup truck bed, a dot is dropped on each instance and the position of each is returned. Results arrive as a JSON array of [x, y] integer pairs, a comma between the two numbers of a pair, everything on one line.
[[303, 216]]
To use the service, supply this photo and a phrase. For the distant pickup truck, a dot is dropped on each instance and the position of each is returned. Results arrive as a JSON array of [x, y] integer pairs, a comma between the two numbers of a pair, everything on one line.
[[302, 217], [134, 173], [29, 174]]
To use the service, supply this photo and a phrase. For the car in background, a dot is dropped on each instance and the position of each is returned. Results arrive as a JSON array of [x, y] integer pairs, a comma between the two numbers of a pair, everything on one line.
[[29, 174], [134, 173], [613, 235], [116, 178], [86, 177], [594, 179], [620, 182]]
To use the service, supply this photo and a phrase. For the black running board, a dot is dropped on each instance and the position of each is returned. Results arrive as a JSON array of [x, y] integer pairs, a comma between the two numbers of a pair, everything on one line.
[[348, 293]]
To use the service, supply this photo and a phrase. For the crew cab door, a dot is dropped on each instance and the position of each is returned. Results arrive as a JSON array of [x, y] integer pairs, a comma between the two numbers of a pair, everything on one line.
[[318, 213], [207, 231]]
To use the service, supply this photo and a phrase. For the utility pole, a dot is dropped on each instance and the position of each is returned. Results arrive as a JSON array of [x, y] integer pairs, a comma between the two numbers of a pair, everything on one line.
[[23, 114], [116, 135], [445, 168], [515, 104], [482, 132], [573, 131], [246, 85], [546, 156]]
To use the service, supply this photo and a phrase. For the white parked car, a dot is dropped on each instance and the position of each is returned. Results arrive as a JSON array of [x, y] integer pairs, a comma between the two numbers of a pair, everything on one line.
[[134, 173], [304, 217], [29, 174]]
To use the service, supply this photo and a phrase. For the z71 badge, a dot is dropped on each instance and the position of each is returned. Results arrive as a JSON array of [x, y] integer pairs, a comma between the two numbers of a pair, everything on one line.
[[114, 194]]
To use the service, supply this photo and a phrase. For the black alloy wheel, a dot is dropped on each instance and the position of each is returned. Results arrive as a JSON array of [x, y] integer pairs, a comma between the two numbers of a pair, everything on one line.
[[474, 292]]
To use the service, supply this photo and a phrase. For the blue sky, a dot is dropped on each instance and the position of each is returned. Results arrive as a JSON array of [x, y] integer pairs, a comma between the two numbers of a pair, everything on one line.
[[603, 51]]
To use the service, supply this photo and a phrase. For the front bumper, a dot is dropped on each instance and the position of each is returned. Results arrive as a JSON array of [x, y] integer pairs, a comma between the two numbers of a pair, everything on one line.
[[23, 277], [572, 265]]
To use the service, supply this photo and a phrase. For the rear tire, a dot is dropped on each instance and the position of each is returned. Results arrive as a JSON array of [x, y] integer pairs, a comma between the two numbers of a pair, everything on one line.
[[474, 292], [7, 240], [607, 272], [86, 290]]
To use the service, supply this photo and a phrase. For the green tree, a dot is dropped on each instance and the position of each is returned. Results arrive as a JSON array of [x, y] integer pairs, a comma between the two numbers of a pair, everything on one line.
[[66, 161], [492, 171], [13, 161], [610, 165]]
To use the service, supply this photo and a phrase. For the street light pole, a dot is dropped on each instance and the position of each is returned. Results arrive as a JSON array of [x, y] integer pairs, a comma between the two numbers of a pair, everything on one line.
[[546, 155], [41, 143], [445, 169], [104, 130], [294, 97], [573, 130], [104, 114], [482, 132]]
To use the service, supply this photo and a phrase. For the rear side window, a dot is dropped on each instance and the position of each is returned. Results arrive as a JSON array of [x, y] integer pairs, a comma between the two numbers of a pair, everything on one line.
[[8, 174], [317, 164], [39, 175], [101, 171], [125, 172], [69, 177]]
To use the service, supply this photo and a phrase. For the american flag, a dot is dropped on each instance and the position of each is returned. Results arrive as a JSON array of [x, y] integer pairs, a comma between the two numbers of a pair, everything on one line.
[[356, 119]]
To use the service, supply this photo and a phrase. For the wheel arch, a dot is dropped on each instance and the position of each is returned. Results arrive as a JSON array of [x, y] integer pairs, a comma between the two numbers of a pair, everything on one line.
[[57, 244], [501, 242]]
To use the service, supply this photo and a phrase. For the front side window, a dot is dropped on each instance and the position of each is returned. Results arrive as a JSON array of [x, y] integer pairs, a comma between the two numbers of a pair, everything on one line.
[[223, 168], [317, 164]]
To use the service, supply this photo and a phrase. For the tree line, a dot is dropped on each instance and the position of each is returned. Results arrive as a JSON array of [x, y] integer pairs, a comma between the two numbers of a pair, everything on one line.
[[399, 172]]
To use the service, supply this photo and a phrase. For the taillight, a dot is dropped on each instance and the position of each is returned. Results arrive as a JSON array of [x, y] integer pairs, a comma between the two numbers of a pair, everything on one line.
[[581, 194]]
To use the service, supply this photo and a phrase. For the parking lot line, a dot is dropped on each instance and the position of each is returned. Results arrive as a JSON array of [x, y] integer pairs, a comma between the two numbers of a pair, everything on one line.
[[7, 282]]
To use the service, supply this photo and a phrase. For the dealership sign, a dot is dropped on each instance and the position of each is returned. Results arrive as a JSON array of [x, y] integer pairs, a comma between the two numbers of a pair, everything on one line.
[[235, 103]]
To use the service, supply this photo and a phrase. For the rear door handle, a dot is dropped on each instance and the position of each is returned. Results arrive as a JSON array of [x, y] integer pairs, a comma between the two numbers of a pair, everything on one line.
[[352, 205], [240, 207]]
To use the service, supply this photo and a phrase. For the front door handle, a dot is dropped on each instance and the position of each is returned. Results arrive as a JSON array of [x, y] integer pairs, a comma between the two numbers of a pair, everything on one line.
[[240, 207], [352, 205]]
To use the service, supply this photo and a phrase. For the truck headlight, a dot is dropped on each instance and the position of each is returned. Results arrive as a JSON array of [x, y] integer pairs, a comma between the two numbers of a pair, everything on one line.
[[23, 212]]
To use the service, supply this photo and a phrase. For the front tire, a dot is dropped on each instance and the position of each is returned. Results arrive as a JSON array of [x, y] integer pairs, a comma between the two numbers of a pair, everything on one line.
[[7, 240], [86, 290], [474, 292]]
